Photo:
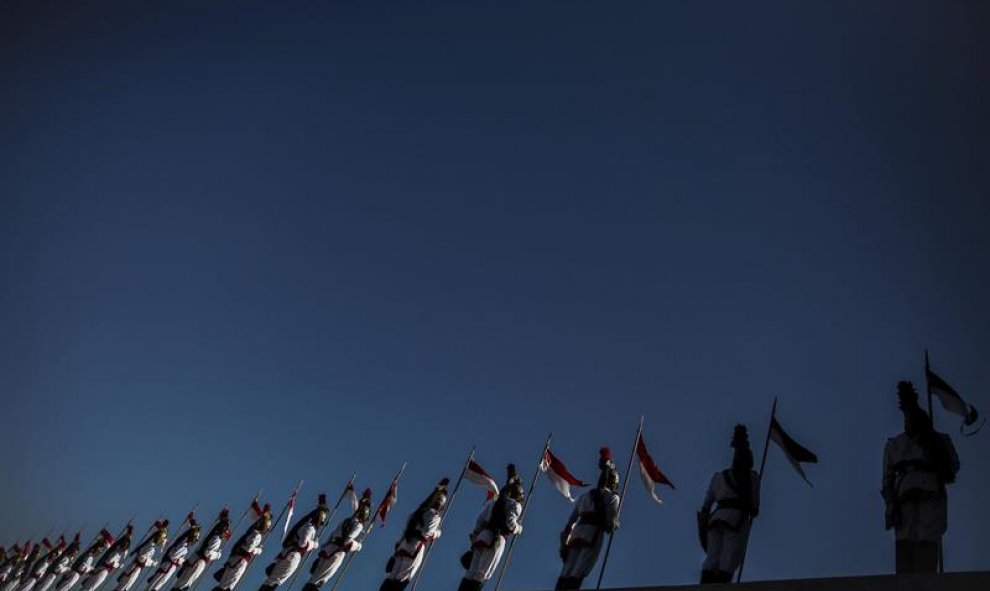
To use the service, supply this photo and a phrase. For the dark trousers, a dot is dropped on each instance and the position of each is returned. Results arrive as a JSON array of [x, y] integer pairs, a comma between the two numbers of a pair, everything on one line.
[[393, 585], [916, 556]]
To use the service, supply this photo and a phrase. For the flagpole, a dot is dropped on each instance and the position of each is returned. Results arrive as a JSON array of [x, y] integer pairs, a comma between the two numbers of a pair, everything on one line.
[[622, 496], [529, 495], [319, 534], [450, 501], [763, 464], [223, 543], [264, 538], [931, 420], [364, 536]]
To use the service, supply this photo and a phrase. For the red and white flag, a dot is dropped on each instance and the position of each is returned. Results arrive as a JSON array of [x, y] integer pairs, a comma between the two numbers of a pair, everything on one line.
[[649, 471], [951, 400], [559, 475], [351, 496], [257, 509], [288, 517], [476, 474], [388, 502]]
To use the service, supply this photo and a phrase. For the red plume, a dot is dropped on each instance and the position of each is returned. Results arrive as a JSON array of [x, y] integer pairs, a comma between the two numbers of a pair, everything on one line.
[[366, 494], [444, 482]]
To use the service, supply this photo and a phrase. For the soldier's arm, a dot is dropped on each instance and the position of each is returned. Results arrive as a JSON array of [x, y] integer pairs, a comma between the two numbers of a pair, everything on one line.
[[709, 500], [887, 481]]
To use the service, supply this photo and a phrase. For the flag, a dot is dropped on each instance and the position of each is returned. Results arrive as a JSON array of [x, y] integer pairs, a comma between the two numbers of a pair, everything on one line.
[[351, 496], [649, 471], [476, 474], [257, 509], [559, 475], [950, 399], [288, 517], [795, 452], [388, 502]]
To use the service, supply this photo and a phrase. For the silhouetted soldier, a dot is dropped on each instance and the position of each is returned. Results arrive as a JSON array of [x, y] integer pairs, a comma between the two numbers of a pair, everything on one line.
[[422, 528], [497, 521], [917, 464], [735, 494], [595, 514]]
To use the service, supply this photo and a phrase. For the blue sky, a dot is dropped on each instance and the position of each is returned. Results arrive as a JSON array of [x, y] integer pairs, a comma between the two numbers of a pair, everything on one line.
[[244, 244]]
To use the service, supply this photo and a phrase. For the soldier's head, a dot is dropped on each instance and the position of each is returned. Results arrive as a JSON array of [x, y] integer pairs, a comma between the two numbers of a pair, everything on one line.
[[322, 511], [264, 522], [742, 456], [608, 477], [363, 511], [161, 534], [194, 532], [438, 498], [916, 420], [513, 488]]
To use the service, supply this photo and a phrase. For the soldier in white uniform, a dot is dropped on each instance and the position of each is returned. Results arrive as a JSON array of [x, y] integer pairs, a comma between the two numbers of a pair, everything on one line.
[[41, 566], [244, 551], [144, 556], [299, 541], [735, 495], [917, 466], [498, 520], [208, 552], [22, 568], [60, 565], [595, 514], [342, 540], [174, 557], [85, 562], [422, 527], [109, 562]]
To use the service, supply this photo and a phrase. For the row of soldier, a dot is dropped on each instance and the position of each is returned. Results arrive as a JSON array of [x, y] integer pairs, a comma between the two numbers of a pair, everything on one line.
[[917, 465]]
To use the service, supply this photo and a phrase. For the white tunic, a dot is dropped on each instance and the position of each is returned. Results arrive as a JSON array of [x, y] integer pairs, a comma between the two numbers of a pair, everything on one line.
[[914, 492], [106, 566], [193, 569], [292, 552], [175, 558], [585, 531], [82, 567], [728, 531], [487, 544], [58, 569], [239, 559], [144, 556], [409, 551], [342, 540]]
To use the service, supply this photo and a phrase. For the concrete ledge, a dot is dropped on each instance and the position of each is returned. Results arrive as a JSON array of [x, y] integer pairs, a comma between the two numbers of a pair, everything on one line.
[[972, 581]]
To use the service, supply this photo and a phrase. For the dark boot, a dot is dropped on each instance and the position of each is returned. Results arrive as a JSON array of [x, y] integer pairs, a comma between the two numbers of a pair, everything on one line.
[[564, 583], [470, 585], [310, 587], [722, 576], [266, 588], [904, 557], [926, 557], [708, 576]]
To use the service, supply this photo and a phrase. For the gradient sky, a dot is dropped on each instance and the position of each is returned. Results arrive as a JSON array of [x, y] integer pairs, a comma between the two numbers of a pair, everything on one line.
[[244, 244]]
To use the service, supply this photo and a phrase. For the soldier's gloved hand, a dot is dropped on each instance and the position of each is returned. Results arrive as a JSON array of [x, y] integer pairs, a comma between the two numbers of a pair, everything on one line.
[[436, 536], [356, 546], [518, 529]]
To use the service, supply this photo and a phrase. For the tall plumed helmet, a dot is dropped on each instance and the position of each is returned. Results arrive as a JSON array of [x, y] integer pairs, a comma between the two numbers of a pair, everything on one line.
[[363, 511], [194, 531], [264, 522], [322, 511], [907, 396], [437, 498], [609, 474], [740, 437], [513, 488]]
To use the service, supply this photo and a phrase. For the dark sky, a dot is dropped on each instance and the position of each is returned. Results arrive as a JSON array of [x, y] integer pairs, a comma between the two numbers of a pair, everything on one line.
[[243, 244]]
